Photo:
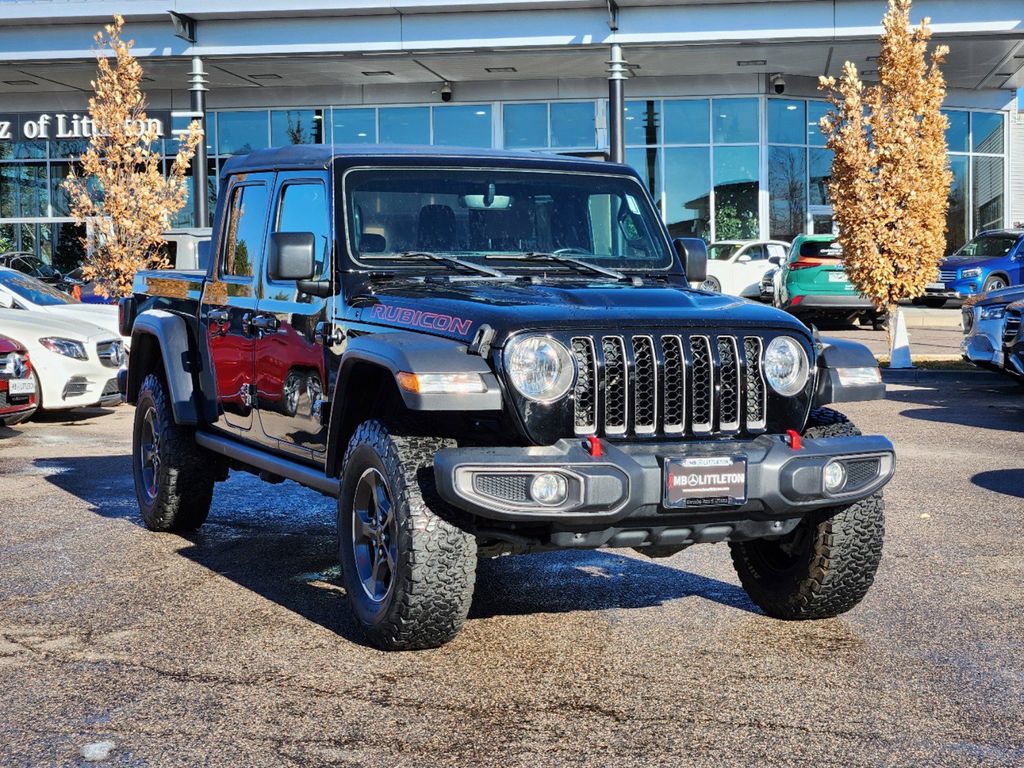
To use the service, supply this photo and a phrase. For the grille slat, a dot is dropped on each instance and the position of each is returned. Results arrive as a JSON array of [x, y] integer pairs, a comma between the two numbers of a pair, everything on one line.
[[1011, 328], [947, 275], [670, 385]]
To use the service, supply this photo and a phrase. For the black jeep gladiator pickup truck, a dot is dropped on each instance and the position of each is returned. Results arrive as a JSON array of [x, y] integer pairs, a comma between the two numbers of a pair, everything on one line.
[[483, 353]]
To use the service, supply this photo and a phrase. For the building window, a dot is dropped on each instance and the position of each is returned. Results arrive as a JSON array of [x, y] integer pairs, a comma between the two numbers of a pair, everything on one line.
[[734, 121], [405, 125], [296, 126], [355, 126], [787, 191], [525, 126], [241, 132], [573, 125], [463, 125], [977, 159], [688, 191]]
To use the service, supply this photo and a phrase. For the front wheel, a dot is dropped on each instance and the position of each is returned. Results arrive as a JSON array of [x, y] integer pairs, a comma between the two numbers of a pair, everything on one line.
[[994, 283], [173, 476], [408, 570], [828, 563]]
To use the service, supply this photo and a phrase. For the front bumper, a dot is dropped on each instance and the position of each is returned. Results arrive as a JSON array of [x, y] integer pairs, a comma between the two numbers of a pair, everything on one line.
[[984, 345], [828, 302], [628, 480]]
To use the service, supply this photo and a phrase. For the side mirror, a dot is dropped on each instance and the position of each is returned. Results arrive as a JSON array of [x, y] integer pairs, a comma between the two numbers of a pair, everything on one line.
[[292, 256], [776, 260], [693, 253], [6, 301], [743, 258]]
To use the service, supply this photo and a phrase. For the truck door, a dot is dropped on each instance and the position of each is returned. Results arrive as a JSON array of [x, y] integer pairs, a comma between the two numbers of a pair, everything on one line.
[[229, 298], [291, 360]]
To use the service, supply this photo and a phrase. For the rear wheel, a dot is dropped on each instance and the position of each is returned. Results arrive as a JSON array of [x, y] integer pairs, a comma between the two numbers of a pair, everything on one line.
[[408, 570], [711, 284], [173, 476], [828, 563]]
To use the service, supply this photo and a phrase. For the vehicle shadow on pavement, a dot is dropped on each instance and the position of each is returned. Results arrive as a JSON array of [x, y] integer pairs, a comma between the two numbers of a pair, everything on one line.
[[555, 582], [974, 403], [1009, 482], [69, 417], [286, 553]]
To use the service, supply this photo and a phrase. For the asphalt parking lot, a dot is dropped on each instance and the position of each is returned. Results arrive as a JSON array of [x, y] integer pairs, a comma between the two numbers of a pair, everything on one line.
[[232, 647]]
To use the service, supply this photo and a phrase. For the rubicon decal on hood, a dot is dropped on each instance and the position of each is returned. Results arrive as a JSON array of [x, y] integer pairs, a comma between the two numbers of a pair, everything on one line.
[[429, 320]]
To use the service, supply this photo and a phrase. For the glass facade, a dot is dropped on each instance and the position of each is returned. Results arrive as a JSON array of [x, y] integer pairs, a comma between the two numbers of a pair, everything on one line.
[[717, 167]]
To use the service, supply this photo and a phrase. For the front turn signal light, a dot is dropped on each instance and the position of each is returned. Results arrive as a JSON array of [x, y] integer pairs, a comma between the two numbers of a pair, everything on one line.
[[441, 383]]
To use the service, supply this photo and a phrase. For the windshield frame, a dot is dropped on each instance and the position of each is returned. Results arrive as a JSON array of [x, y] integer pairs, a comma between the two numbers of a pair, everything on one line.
[[959, 252], [659, 234]]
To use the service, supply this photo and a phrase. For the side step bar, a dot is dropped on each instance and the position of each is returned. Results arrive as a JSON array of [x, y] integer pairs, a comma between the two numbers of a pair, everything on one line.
[[275, 465]]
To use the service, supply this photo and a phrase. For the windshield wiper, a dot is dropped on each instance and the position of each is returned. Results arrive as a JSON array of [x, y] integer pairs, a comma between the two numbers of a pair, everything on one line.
[[561, 259], [440, 257]]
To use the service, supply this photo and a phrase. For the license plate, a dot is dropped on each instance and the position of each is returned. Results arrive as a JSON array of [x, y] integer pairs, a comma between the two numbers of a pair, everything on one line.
[[21, 387], [837, 277], [936, 286], [705, 481]]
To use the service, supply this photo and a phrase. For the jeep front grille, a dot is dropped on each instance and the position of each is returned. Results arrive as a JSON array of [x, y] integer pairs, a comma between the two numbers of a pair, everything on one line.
[[643, 385]]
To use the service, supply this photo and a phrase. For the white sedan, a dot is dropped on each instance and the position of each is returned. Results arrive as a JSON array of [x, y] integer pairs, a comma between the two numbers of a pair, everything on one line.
[[75, 363], [737, 266], [21, 291]]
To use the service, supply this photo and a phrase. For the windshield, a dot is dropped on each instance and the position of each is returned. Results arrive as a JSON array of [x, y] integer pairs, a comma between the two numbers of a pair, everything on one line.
[[988, 246], [723, 251], [33, 291], [479, 215]]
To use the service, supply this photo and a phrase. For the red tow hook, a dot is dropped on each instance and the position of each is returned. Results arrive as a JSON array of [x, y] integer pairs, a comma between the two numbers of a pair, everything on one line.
[[594, 446], [793, 438]]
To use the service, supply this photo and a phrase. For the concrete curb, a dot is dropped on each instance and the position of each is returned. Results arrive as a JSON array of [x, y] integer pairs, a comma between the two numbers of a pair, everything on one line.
[[923, 375], [932, 318]]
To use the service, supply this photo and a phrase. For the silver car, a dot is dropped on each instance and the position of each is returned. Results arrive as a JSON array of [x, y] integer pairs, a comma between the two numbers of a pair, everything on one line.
[[983, 322]]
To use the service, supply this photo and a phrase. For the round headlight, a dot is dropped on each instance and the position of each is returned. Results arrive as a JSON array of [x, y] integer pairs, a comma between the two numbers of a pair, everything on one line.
[[539, 368], [785, 365]]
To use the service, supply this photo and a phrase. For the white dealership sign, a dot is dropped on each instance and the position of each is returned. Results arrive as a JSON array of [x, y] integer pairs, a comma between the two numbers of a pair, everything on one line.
[[54, 126]]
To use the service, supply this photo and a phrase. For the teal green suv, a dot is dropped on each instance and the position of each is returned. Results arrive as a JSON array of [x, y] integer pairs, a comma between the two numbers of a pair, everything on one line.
[[812, 282]]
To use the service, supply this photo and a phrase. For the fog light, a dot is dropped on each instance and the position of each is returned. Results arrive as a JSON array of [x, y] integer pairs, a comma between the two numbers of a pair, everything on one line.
[[834, 476], [548, 488]]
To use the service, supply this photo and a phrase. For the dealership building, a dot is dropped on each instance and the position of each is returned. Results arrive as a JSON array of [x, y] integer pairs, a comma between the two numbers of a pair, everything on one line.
[[719, 109]]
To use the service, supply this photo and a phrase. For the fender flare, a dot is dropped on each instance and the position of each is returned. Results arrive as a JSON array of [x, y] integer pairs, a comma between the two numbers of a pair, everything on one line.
[[842, 353], [172, 340], [403, 351]]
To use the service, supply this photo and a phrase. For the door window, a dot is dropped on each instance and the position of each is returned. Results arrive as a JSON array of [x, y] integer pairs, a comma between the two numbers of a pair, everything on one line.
[[776, 252], [304, 208], [244, 240], [756, 253]]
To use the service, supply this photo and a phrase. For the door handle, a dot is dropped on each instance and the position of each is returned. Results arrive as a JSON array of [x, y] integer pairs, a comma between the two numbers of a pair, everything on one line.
[[264, 323], [218, 315]]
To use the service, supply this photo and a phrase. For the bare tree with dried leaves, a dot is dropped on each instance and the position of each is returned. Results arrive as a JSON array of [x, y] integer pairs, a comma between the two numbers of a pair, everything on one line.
[[120, 190], [890, 173]]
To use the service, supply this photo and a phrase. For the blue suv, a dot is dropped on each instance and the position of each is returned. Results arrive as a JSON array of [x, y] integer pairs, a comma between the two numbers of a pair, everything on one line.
[[992, 260]]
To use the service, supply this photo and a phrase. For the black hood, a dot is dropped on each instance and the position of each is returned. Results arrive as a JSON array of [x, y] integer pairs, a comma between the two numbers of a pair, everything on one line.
[[459, 309]]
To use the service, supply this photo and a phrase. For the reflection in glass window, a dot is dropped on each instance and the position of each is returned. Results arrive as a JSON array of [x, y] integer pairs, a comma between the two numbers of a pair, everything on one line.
[[956, 217], [405, 125], [525, 126], [572, 125], [23, 190], [186, 216], [642, 122], [957, 132], [241, 132], [820, 173], [304, 208], [296, 126], [355, 126], [988, 193], [686, 122], [688, 191], [244, 241], [735, 176], [170, 140], [815, 111], [987, 131], [786, 121], [23, 150], [647, 163], [787, 190], [734, 121], [463, 125]]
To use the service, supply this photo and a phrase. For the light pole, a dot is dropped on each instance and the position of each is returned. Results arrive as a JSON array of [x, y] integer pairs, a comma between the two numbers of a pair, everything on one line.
[[617, 74], [200, 182]]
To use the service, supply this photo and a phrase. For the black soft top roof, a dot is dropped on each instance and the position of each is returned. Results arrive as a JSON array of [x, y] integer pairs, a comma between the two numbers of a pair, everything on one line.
[[310, 156]]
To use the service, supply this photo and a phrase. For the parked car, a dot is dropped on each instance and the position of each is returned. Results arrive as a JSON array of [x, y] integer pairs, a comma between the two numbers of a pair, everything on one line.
[[20, 291], [29, 264], [17, 385], [989, 262], [75, 363], [984, 321], [736, 267], [517, 362], [768, 281], [813, 282]]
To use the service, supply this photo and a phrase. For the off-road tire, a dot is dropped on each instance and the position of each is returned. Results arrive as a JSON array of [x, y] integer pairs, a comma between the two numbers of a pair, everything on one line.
[[835, 556], [185, 478], [432, 584]]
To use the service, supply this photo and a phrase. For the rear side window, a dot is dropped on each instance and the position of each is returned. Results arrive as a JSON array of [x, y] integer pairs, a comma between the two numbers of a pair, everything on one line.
[[169, 250], [304, 208], [816, 249], [243, 242]]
